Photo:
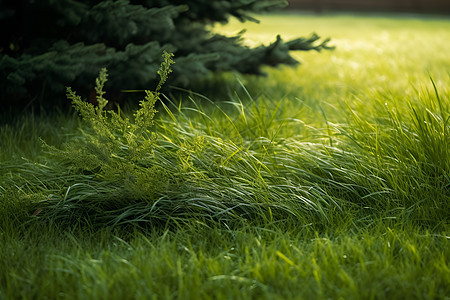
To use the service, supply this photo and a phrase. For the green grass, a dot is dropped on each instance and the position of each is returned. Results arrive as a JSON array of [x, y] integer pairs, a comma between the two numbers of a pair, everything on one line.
[[331, 180]]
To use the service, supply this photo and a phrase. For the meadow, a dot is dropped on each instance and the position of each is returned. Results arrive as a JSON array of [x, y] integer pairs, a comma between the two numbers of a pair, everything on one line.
[[326, 181]]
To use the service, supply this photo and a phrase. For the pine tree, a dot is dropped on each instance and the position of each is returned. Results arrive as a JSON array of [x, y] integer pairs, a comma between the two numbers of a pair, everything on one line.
[[49, 44]]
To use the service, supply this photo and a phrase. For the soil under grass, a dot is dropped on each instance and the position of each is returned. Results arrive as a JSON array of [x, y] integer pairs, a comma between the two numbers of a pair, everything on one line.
[[331, 180]]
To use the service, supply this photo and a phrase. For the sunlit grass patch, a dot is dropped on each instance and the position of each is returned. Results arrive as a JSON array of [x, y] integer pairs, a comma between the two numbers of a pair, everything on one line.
[[199, 263], [373, 53]]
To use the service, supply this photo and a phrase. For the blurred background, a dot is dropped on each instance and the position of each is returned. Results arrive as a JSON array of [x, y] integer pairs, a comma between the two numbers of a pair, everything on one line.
[[410, 6]]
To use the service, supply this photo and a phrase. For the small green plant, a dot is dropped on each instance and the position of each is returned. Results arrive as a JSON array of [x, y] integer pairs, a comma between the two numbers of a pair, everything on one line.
[[114, 130], [116, 154], [116, 143]]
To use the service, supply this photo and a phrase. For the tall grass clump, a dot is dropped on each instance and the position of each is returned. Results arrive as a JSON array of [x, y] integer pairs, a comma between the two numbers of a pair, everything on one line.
[[123, 170], [246, 160], [405, 142]]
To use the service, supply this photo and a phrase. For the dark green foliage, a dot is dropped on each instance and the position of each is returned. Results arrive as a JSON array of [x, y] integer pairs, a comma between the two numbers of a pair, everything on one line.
[[51, 44]]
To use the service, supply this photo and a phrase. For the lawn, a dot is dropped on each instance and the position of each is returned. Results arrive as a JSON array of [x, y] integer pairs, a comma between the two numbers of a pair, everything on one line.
[[326, 181]]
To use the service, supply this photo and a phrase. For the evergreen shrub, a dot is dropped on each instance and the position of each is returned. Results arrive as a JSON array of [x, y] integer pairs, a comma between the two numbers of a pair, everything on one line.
[[47, 44]]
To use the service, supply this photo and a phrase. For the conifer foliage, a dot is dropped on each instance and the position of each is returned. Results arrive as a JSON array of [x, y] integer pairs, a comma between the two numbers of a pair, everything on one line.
[[47, 44]]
